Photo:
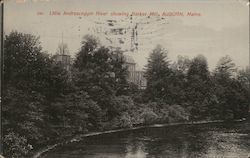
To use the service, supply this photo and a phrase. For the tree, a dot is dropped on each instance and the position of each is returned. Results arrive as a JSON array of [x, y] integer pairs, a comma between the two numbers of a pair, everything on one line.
[[28, 68], [225, 68], [180, 70], [182, 65], [100, 72], [23, 58], [121, 86], [157, 72], [23, 113], [244, 75], [30, 81], [199, 88], [244, 78], [158, 64], [80, 112], [23, 82], [232, 96], [89, 45], [199, 68]]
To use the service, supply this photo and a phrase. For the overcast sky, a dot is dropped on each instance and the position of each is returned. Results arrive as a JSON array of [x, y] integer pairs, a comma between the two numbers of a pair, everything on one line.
[[221, 29]]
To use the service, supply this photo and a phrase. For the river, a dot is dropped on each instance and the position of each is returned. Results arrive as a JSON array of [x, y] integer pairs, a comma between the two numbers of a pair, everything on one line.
[[215, 140]]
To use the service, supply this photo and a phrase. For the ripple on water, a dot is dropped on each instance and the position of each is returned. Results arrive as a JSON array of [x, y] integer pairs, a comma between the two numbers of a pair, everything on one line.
[[200, 141]]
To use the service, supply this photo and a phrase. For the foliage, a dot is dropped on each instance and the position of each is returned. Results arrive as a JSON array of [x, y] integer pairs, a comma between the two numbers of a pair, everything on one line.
[[177, 114], [149, 116], [182, 64], [225, 68], [121, 104], [76, 110], [100, 72], [30, 81], [27, 67], [157, 72], [23, 113], [233, 98], [122, 121], [199, 88], [43, 102], [16, 146]]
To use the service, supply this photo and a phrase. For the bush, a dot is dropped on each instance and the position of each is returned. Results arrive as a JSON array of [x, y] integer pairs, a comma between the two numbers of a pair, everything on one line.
[[149, 116], [121, 104], [16, 146], [123, 121], [177, 114]]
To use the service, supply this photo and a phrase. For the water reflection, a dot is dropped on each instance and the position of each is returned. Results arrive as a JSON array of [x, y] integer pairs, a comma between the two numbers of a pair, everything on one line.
[[229, 145], [198, 141], [135, 150]]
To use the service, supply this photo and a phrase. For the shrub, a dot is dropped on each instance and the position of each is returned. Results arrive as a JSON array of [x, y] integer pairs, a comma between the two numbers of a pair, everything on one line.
[[149, 116], [178, 113], [16, 146]]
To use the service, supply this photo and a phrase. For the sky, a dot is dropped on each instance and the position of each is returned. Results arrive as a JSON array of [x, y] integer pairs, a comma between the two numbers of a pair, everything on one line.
[[220, 27]]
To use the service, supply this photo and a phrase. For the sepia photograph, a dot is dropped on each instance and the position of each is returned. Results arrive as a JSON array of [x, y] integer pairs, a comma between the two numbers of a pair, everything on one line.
[[125, 79]]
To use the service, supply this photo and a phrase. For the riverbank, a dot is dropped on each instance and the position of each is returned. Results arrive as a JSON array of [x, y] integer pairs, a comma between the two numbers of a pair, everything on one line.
[[80, 137]]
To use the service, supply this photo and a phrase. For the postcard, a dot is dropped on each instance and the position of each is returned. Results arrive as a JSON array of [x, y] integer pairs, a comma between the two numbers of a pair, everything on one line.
[[125, 79]]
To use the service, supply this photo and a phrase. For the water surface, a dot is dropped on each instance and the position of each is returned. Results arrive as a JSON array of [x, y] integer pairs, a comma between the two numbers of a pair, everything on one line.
[[216, 140]]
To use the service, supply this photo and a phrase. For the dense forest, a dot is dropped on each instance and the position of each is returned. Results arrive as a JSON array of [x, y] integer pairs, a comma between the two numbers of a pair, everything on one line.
[[43, 103]]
